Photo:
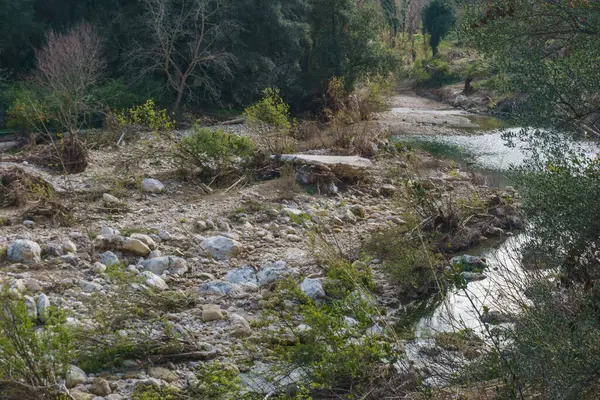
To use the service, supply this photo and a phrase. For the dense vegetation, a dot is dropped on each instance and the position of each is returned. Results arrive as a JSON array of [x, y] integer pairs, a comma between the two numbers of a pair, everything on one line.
[[134, 65]]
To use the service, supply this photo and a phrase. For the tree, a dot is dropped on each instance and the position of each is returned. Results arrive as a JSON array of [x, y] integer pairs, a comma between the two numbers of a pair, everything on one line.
[[438, 20], [68, 65], [270, 45], [551, 52], [346, 43], [185, 43]]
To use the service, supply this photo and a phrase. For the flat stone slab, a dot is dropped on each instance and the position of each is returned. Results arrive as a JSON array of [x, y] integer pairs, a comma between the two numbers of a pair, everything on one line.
[[327, 161]]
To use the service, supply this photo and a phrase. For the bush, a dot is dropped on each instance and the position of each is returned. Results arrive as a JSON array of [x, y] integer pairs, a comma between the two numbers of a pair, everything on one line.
[[26, 113], [270, 116], [145, 116], [270, 110], [410, 263], [334, 353], [32, 359], [215, 153], [433, 73]]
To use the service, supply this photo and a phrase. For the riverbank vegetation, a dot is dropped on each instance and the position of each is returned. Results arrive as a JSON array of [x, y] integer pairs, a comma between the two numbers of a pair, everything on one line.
[[293, 277]]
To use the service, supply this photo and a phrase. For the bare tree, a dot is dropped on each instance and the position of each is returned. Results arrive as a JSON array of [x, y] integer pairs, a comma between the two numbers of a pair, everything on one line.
[[67, 66], [184, 44]]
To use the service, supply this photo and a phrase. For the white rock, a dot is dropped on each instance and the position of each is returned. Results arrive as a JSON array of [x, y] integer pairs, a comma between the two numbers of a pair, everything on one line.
[[150, 185], [219, 288], [25, 251], [110, 200], [43, 307], [242, 275], [221, 247], [69, 247], [154, 280], [164, 235], [313, 288], [147, 240], [75, 376], [240, 327]]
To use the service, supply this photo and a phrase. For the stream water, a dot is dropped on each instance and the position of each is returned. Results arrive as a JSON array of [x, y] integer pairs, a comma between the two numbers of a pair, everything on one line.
[[484, 151]]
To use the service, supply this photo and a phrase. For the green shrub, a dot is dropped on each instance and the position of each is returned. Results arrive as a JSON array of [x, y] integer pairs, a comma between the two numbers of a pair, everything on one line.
[[433, 73], [270, 110], [27, 113], [217, 381], [333, 353], [151, 392], [270, 116], [145, 116], [215, 153], [410, 264], [37, 357]]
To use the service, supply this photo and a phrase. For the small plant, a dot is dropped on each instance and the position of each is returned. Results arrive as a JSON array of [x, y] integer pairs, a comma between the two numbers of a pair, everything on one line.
[[286, 186], [215, 153], [145, 116], [151, 392], [270, 116], [37, 358], [270, 110], [217, 381]]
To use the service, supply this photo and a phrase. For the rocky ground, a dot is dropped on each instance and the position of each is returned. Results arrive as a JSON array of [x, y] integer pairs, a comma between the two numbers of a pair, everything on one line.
[[221, 250]]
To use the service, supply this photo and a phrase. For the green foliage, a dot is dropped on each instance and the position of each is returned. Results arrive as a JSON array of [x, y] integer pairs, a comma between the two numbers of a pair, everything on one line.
[[438, 20], [217, 381], [410, 263], [271, 110], [216, 153], [433, 73], [346, 43], [333, 353], [559, 184], [551, 61], [36, 357], [145, 116], [27, 113], [151, 392]]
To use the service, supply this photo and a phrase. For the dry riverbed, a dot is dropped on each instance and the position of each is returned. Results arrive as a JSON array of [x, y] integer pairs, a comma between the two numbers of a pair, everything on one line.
[[221, 250]]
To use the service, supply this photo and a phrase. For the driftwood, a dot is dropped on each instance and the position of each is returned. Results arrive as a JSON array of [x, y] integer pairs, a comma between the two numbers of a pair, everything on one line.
[[233, 121]]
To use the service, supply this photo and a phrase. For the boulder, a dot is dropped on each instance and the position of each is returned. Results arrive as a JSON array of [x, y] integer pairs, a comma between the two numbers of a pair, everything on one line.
[[242, 275], [313, 288], [43, 307], [153, 280], [240, 327], [218, 288], [108, 258], [147, 240], [271, 273], [472, 276], [211, 312], [75, 376], [24, 251], [468, 263], [100, 387], [119, 243], [340, 166], [158, 265], [163, 373], [150, 185], [221, 247], [110, 201]]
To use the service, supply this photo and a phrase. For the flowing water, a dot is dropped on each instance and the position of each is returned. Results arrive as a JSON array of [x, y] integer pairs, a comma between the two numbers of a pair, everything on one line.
[[482, 150]]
